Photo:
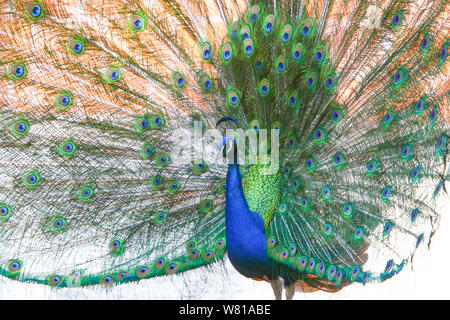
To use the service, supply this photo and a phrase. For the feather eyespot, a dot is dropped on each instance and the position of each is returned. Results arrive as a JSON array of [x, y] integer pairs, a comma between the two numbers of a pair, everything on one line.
[[233, 98], [406, 152], [354, 273], [248, 47], [264, 87], [331, 272], [339, 160], [205, 83], [137, 22], [55, 280], [443, 53], [397, 19], [330, 82], [172, 268], [200, 167], [386, 193], [281, 64], [116, 247], [160, 217], [347, 210], [307, 28], [67, 148], [320, 55], [433, 115], [304, 204], [311, 81], [253, 13], [85, 193], [147, 151], [142, 272], [34, 10], [14, 266], [5, 211], [112, 75], [326, 192], [425, 43], [327, 229], [156, 181], [173, 186], [206, 51], [415, 173], [179, 80], [293, 100], [17, 70], [162, 160], [420, 106], [269, 24], [220, 244], [20, 128], [76, 47], [58, 224], [320, 135], [297, 52], [372, 167], [358, 234], [32, 179], [399, 76], [337, 115], [286, 34], [413, 214], [387, 228], [206, 206], [310, 266], [227, 52]]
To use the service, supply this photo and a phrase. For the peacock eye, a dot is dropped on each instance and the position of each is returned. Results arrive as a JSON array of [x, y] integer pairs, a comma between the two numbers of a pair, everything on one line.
[[419, 105], [78, 47], [433, 115], [318, 56], [19, 71], [4, 211], [21, 127], [329, 82], [138, 23], [305, 31], [424, 43], [396, 19], [34, 10], [405, 151]]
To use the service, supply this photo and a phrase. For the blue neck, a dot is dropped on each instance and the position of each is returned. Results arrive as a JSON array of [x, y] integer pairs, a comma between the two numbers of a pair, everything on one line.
[[245, 234]]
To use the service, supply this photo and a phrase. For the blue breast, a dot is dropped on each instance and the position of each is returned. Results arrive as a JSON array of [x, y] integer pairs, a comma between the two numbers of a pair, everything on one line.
[[245, 236]]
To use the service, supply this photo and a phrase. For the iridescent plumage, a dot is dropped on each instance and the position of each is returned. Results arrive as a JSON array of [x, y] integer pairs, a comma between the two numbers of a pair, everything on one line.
[[93, 94]]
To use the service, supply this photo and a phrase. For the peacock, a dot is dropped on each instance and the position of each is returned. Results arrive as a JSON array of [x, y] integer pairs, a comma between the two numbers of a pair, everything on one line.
[[305, 141]]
